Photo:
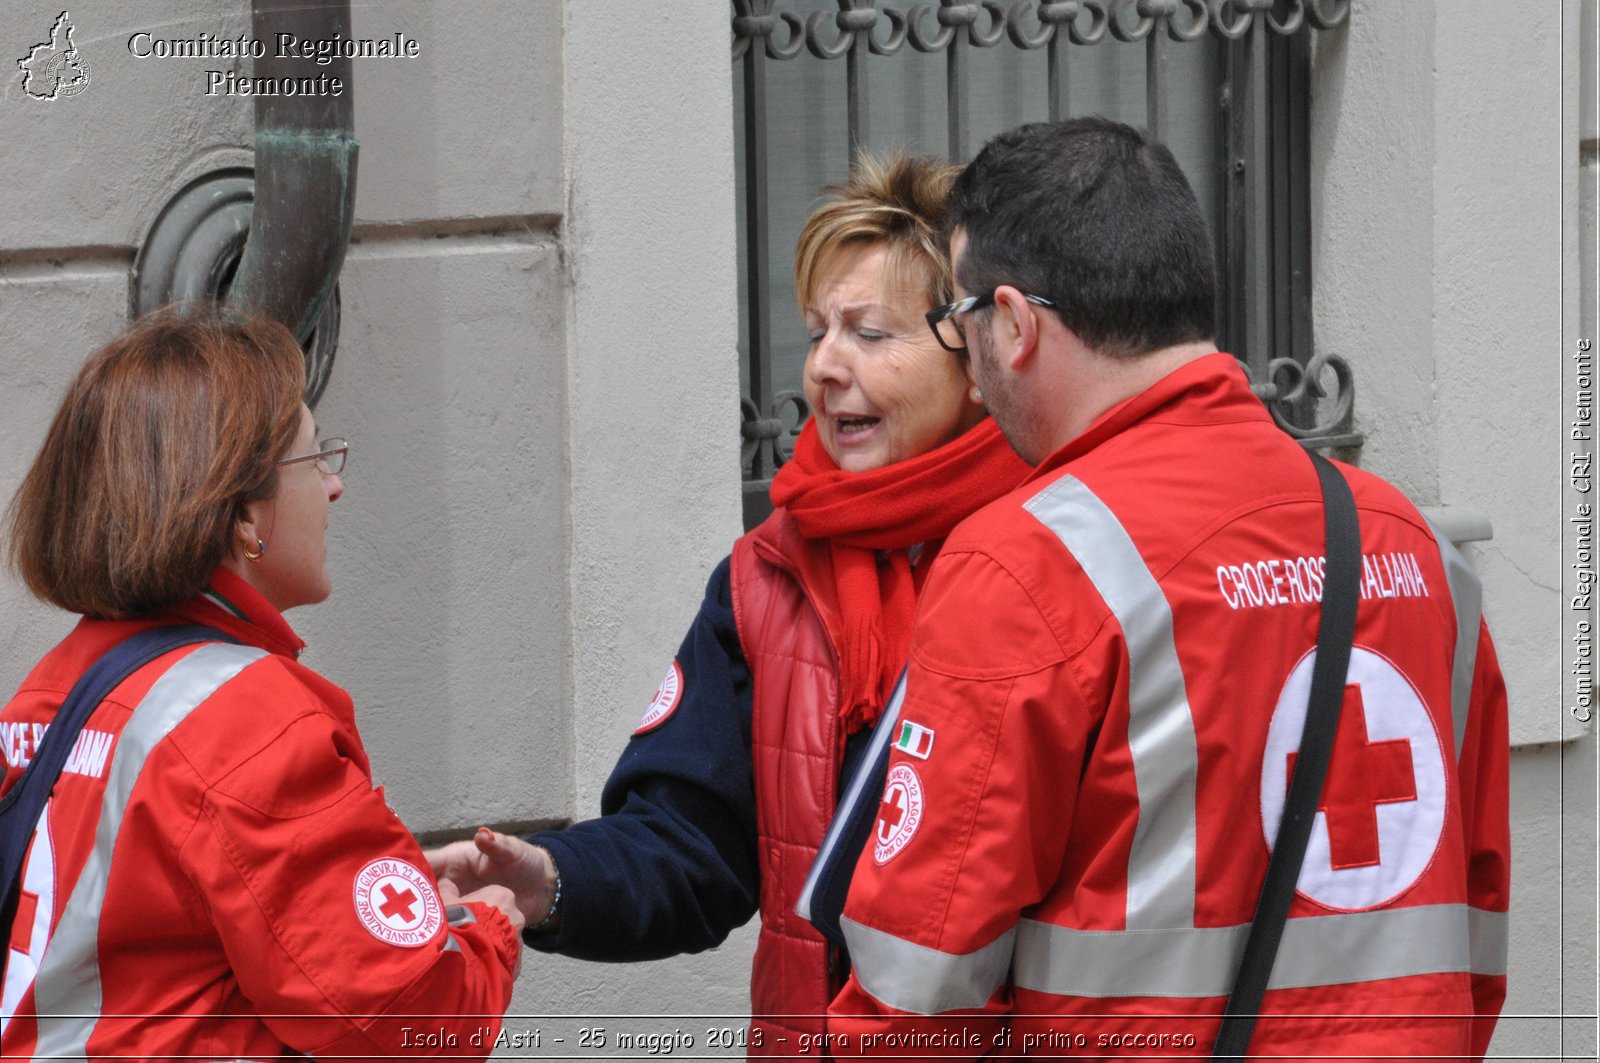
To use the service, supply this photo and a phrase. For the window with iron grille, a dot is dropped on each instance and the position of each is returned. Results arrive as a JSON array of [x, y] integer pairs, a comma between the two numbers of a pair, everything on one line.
[[1225, 83]]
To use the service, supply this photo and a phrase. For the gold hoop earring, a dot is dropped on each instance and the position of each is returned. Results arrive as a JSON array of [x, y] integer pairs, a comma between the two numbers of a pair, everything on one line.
[[261, 548]]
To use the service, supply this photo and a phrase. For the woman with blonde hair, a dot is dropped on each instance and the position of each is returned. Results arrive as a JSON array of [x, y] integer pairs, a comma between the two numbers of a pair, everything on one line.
[[721, 798]]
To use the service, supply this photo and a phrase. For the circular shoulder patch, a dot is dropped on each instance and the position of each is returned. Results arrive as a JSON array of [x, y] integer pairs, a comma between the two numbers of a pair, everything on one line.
[[899, 815], [1380, 819], [397, 903], [665, 703]]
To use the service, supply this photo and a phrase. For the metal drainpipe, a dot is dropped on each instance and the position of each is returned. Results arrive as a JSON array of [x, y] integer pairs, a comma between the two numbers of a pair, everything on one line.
[[305, 173]]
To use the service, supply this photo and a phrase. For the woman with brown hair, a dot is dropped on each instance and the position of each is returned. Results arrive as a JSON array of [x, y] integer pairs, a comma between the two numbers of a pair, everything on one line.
[[720, 801], [214, 874]]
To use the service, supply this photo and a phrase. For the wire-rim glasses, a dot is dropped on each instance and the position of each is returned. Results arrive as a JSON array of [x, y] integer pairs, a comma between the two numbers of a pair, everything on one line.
[[330, 456]]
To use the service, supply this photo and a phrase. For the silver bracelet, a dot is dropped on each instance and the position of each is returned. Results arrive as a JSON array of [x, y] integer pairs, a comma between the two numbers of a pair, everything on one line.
[[555, 903]]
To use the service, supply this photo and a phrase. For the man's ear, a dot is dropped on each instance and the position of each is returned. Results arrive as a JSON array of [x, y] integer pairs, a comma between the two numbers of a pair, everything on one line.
[[1016, 329]]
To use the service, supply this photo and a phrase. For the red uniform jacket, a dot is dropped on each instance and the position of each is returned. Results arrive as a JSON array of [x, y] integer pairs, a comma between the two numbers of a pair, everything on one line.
[[789, 626], [215, 875], [787, 620], [1107, 681]]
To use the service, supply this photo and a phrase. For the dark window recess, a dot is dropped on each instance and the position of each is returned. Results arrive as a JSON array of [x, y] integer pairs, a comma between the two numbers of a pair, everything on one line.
[[1225, 83]]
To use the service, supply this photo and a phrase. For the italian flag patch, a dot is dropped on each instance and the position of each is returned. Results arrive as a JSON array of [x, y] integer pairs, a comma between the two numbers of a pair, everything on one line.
[[915, 739]]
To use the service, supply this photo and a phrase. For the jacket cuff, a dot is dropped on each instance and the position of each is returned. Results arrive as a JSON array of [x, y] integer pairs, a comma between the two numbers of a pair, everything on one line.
[[569, 865]]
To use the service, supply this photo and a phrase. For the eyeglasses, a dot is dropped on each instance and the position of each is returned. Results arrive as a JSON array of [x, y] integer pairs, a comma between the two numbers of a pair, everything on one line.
[[330, 458], [946, 324]]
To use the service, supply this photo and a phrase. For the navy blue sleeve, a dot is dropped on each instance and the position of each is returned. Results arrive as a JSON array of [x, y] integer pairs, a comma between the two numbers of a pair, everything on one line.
[[670, 865]]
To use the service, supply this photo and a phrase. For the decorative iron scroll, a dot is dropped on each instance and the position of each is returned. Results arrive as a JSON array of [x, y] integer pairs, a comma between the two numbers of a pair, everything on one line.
[[773, 431], [1301, 387], [1029, 25]]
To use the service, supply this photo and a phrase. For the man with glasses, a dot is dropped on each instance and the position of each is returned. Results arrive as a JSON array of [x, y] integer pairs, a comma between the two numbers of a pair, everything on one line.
[[1109, 671]]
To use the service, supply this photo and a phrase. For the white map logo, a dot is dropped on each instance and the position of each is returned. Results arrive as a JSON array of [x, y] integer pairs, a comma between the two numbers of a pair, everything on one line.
[[56, 68]]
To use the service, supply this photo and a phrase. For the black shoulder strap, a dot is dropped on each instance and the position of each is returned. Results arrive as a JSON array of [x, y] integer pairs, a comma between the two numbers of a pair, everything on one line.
[[1335, 632], [821, 900], [22, 805]]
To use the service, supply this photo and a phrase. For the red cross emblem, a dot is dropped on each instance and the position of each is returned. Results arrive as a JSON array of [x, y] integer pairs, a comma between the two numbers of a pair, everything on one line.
[[27, 902], [22, 926], [29, 933], [397, 904], [899, 814], [891, 812], [1390, 750], [1362, 775]]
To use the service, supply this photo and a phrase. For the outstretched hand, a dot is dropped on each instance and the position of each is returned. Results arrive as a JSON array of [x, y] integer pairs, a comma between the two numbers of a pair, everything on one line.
[[495, 859], [496, 897]]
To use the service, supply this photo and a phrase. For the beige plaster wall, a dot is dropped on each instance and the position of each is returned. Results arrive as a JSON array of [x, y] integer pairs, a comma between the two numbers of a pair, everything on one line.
[[652, 438], [1446, 272], [537, 371]]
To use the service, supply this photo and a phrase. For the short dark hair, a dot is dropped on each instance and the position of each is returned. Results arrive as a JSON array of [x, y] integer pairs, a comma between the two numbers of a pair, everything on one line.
[[160, 441], [1098, 217]]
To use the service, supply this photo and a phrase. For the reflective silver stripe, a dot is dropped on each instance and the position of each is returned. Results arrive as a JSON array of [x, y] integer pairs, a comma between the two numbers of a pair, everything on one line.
[[1316, 951], [67, 989], [456, 915], [877, 750], [1466, 594], [911, 977], [1490, 939], [1161, 875]]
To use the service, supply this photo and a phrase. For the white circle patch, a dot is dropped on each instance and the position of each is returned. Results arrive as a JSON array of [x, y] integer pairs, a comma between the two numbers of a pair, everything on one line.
[[397, 903], [899, 814], [1381, 816], [665, 702]]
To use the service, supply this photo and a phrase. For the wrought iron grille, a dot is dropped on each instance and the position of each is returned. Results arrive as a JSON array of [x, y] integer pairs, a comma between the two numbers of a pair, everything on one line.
[[1225, 82]]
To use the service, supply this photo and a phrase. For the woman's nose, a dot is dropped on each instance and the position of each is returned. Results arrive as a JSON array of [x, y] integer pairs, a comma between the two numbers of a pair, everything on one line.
[[829, 361], [335, 486]]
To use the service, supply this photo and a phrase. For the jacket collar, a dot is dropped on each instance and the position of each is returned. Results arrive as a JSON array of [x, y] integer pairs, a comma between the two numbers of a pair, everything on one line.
[[1212, 389], [235, 608]]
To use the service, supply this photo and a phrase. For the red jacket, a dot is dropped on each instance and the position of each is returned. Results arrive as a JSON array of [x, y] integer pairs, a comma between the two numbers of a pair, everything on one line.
[[220, 879], [1107, 679], [787, 619]]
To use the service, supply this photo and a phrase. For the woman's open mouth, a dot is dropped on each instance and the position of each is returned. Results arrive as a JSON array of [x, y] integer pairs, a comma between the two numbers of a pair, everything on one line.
[[845, 427]]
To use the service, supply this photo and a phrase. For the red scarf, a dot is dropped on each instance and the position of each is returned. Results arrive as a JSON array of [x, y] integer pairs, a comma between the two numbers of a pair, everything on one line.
[[887, 510]]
